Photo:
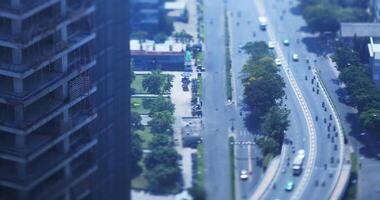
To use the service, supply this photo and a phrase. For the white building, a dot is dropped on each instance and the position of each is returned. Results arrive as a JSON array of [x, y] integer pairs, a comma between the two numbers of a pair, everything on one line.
[[374, 60]]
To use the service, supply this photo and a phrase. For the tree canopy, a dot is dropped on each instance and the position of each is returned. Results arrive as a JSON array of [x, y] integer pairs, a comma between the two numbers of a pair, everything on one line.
[[161, 122], [163, 178], [162, 155], [157, 83]]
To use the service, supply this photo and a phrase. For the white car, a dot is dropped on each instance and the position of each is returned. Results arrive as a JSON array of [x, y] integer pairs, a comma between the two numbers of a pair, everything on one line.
[[271, 44], [277, 61], [243, 175], [295, 57], [301, 152], [286, 42]]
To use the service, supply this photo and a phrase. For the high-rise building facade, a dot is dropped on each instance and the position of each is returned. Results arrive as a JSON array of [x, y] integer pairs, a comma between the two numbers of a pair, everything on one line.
[[63, 103]]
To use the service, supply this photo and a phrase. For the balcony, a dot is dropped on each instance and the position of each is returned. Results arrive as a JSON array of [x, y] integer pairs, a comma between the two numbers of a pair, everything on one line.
[[42, 29], [42, 112], [44, 139], [35, 63], [27, 8], [46, 166], [37, 88], [56, 189]]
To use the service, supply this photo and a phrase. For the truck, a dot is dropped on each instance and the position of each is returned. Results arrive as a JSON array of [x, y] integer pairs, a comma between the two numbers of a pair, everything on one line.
[[263, 23], [297, 162]]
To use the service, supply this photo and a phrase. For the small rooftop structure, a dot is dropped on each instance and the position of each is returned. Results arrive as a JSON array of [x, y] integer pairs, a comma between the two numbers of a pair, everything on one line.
[[349, 30], [176, 5], [190, 138], [374, 60], [374, 49], [149, 46]]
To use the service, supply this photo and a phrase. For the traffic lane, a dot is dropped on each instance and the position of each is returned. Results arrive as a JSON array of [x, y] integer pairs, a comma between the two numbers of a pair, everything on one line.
[[216, 139], [318, 159], [301, 70], [299, 140], [241, 33]]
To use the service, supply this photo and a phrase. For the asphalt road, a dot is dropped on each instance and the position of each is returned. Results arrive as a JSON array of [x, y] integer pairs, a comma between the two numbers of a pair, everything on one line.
[[245, 15], [217, 113]]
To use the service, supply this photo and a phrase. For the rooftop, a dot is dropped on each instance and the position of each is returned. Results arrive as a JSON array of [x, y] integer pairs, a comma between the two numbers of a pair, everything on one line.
[[177, 5], [360, 29], [169, 46], [374, 49]]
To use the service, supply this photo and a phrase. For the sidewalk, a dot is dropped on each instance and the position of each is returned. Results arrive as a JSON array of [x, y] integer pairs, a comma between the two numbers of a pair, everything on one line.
[[344, 177], [268, 177]]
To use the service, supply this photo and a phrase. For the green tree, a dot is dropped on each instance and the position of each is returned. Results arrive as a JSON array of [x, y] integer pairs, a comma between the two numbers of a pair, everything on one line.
[[153, 82], [164, 179], [161, 104], [139, 35], [321, 18], [136, 120], [160, 140], [351, 15], [268, 145], [161, 122], [344, 57], [256, 50], [136, 155], [160, 37], [157, 83], [163, 155], [371, 119], [198, 192], [262, 92], [183, 36], [275, 123]]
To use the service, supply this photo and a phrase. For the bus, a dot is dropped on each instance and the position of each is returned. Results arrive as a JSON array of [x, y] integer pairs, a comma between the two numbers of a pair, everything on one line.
[[297, 162]]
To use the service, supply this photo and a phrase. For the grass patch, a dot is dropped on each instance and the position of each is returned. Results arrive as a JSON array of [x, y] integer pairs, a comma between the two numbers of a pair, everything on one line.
[[228, 64], [232, 166], [267, 159], [140, 182], [137, 84], [199, 58], [200, 87], [137, 106], [146, 136], [201, 165], [352, 189]]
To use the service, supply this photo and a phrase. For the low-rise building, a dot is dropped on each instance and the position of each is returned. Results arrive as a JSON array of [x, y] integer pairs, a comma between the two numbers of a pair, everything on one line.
[[348, 31], [145, 15], [176, 10], [190, 138], [374, 60], [148, 55]]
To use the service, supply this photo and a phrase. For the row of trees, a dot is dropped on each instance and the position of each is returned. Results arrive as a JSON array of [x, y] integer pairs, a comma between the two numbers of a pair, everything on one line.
[[161, 165], [326, 15], [363, 93], [162, 170], [263, 93]]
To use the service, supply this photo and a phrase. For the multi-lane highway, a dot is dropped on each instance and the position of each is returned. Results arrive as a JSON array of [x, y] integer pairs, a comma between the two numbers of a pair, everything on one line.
[[313, 126], [320, 172]]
